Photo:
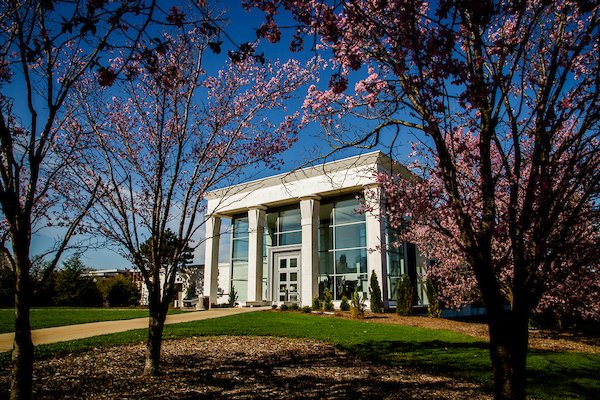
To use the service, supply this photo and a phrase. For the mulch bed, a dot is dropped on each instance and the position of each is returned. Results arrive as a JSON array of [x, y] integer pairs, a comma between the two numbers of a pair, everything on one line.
[[259, 368], [237, 368]]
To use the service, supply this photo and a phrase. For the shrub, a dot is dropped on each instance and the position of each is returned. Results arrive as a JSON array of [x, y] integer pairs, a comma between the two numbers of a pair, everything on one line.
[[433, 308], [233, 297], [345, 306], [375, 294], [274, 306], [328, 301], [191, 291], [294, 307], [358, 304], [120, 291], [405, 296], [306, 309], [73, 288], [284, 307], [316, 303]]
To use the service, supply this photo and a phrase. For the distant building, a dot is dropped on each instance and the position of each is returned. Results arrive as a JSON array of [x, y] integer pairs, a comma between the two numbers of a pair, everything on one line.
[[293, 235], [106, 273]]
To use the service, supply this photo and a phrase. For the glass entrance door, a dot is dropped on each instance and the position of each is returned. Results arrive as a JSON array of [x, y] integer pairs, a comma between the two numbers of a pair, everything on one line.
[[287, 272]]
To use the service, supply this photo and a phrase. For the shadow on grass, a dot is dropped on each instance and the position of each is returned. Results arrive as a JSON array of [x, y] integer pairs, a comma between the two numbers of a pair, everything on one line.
[[557, 375], [551, 375], [469, 361]]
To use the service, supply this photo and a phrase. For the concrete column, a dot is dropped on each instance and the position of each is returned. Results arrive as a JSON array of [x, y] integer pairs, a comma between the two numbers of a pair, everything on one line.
[[256, 222], [211, 258], [309, 211], [376, 260]]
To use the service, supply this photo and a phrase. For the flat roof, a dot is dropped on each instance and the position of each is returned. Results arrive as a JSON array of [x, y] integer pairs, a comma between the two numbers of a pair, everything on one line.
[[361, 160]]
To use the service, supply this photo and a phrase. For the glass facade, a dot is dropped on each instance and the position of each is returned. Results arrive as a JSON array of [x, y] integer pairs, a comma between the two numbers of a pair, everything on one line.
[[342, 251], [239, 257], [402, 260], [283, 228], [342, 248], [396, 263]]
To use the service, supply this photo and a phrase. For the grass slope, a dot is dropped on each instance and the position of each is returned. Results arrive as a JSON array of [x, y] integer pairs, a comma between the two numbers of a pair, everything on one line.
[[551, 375]]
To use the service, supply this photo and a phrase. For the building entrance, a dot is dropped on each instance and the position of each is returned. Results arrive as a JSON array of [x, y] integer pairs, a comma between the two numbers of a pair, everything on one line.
[[287, 274]]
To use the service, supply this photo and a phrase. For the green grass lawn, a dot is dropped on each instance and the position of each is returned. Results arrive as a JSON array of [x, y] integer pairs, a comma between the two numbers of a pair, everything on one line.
[[552, 375], [61, 316]]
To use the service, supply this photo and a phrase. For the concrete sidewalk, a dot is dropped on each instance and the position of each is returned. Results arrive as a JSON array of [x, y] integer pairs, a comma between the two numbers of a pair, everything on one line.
[[73, 332]]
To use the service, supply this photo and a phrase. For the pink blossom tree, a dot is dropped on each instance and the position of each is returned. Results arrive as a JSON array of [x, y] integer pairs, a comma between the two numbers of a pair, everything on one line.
[[505, 95], [172, 133], [46, 47]]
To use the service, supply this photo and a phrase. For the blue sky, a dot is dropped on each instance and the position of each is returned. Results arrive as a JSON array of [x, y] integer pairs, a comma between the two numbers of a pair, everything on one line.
[[240, 29]]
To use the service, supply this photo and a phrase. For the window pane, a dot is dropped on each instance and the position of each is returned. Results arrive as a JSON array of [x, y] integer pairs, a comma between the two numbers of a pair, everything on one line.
[[345, 285], [325, 214], [293, 263], [282, 277], [347, 236], [240, 248], [290, 238], [393, 288], [345, 212], [351, 261], [294, 277], [289, 220], [395, 264], [283, 263], [325, 238], [240, 227], [325, 263], [241, 288], [239, 269], [325, 282], [271, 229], [269, 239]]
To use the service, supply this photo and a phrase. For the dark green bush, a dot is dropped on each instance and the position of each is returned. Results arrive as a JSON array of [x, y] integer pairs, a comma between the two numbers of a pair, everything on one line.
[[306, 309], [119, 291], [375, 294], [283, 307], [345, 306], [433, 308], [328, 301], [294, 307], [405, 296], [233, 298], [190, 293], [358, 304], [73, 288], [316, 303]]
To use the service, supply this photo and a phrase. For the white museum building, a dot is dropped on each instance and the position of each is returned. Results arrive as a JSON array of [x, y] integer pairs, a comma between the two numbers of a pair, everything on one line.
[[295, 234]]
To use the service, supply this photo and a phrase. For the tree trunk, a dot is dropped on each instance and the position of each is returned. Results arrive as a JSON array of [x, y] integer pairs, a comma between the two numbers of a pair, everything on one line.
[[508, 351], [22, 354], [156, 325]]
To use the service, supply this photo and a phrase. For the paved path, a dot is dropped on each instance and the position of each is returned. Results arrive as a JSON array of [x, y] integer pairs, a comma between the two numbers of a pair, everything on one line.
[[73, 332]]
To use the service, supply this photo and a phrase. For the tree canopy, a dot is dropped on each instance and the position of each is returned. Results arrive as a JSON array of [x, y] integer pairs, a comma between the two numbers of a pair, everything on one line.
[[502, 100]]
